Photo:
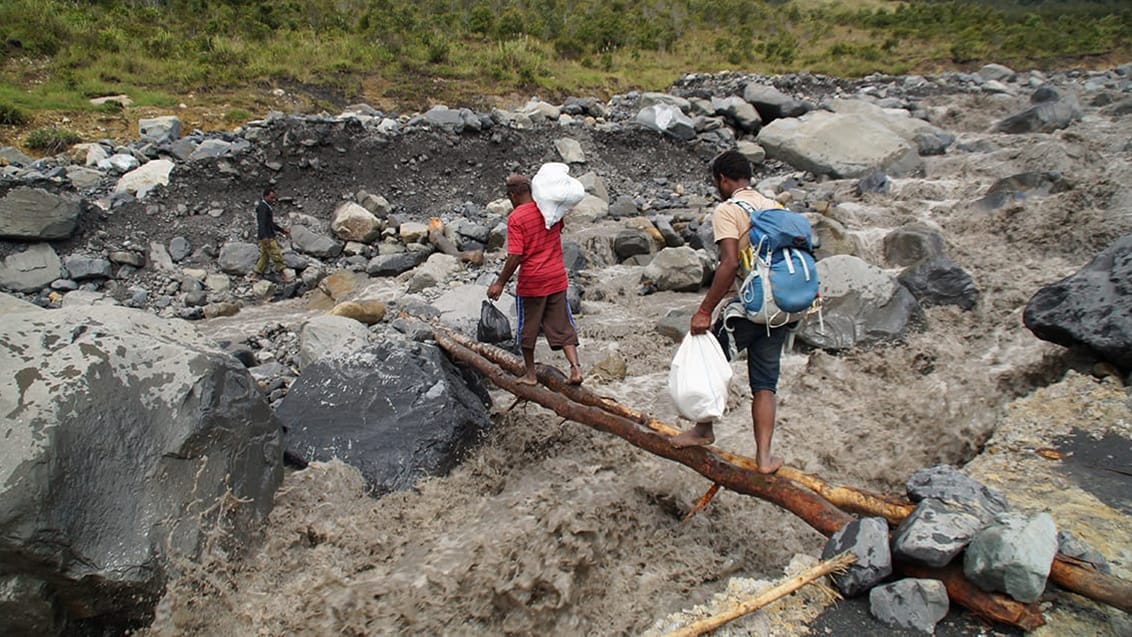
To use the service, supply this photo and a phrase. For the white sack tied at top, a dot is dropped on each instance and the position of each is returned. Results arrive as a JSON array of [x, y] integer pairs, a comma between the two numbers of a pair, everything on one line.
[[555, 191], [699, 377]]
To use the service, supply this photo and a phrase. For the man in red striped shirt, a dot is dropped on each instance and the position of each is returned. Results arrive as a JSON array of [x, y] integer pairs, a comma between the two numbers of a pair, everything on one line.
[[536, 251]]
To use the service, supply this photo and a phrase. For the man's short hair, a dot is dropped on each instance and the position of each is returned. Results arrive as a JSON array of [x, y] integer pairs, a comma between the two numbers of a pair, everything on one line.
[[268, 191], [731, 164], [518, 184]]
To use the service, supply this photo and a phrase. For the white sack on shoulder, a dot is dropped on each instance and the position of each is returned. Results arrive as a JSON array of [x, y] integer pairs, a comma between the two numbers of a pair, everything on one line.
[[555, 191], [698, 378]]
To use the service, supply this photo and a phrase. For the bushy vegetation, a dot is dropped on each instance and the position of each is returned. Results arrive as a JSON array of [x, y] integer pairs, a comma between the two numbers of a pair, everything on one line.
[[422, 48], [11, 115], [51, 140]]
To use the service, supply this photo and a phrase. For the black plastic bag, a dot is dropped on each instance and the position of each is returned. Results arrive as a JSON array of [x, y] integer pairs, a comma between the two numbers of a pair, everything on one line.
[[494, 326]]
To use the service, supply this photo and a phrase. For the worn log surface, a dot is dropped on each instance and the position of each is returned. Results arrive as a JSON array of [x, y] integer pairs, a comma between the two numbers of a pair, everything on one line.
[[826, 508]]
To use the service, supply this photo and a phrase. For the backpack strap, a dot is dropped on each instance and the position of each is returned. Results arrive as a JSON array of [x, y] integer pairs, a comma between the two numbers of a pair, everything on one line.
[[751, 212]]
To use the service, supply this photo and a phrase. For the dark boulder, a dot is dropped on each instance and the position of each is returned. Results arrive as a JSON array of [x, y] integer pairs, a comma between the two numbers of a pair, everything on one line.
[[940, 281], [397, 411], [1091, 309]]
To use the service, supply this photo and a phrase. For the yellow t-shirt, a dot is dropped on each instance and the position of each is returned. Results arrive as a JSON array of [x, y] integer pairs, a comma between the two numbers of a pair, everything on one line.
[[729, 221]]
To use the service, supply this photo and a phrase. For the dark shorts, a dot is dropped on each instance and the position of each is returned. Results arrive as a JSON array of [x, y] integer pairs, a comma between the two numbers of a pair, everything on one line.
[[549, 315], [764, 350]]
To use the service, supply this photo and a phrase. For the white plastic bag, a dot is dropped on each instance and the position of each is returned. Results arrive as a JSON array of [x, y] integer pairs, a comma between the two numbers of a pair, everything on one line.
[[555, 191], [698, 378]]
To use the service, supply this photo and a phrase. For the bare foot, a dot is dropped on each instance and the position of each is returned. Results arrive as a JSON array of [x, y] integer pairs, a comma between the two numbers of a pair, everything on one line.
[[770, 466], [526, 380], [697, 436], [575, 375]]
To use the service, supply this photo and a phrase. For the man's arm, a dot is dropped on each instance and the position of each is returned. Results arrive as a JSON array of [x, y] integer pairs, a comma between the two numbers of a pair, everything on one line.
[[720, 284], [509, 267]]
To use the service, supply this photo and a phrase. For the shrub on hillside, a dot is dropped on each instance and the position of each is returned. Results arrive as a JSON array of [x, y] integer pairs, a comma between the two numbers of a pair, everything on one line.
[[51, 140], [12, 115]]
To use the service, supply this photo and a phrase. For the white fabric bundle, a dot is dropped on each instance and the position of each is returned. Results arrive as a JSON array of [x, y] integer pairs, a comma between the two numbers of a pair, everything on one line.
[[555, 191], [698, 378]]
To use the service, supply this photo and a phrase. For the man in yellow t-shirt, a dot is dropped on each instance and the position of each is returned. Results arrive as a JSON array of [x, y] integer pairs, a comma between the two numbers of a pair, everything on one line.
[[731, 174]]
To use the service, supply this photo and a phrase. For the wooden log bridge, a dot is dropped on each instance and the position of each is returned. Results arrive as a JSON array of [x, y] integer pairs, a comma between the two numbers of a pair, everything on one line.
[[824, 507]]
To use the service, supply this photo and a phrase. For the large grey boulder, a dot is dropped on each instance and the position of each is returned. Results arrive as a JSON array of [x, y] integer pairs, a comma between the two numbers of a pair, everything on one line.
[[1013, 555], [840, 145], [81, 267], [630, 243], [314, 243], [12, 156], [83, 178], [928, 139], [590, 209], [957, 491], [396, 263], [159, 130], [11, 305], [861, 305], [236, 257], [122, 434], [570, 150], [772, 103], [739, 112], [398, 411], [574, 257], [210, 149], [910, 603], [438, 267], [35, 214], [1044, 117], [444, 118], [31, 270], [330, 336], [679, 269], [352, 222], [1091, 309], [934, 533], [867, 539], [669, 120], [912, 243], [140, 181], [1021, 186]]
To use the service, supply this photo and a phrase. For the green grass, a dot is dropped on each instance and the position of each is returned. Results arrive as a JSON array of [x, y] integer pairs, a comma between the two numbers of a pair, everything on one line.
[[437, 50]]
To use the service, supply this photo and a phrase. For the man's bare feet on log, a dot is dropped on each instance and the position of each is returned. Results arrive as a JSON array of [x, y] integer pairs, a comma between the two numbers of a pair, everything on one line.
[[774, 463], [697, 436], [529, 379], [575, 375]]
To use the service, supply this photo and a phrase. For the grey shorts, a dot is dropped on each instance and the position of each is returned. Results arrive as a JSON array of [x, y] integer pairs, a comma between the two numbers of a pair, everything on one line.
[[764, 349]]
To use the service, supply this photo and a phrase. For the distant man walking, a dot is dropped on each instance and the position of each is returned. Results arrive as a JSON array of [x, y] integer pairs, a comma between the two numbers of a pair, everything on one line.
[[541, 290], [265, 229], [731, 175]]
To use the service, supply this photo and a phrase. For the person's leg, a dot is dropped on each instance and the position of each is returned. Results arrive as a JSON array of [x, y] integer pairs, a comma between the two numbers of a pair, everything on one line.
[[764, 353], [276, 256], [558, 325], [261, 263], [699, 435], [571, 353], [531, 317], [762, 415], [529, 378]]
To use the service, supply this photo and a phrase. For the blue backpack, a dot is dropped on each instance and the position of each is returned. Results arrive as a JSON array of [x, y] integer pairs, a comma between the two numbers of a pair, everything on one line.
[[780, 284]]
